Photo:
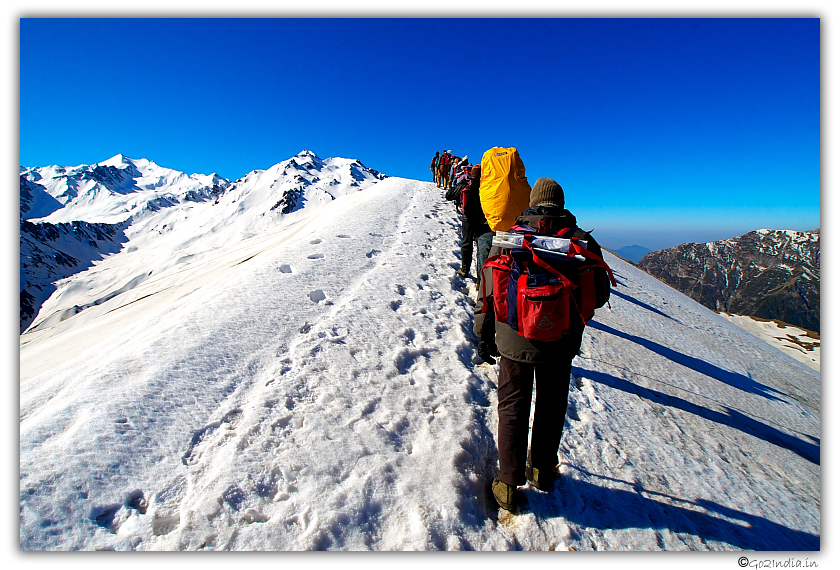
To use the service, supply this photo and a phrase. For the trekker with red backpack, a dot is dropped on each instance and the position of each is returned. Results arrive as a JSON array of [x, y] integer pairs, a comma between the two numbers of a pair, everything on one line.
[[531, 311], [444, 165]]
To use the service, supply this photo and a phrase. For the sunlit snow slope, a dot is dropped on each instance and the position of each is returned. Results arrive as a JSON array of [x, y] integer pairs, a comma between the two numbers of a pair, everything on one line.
[[74, 218], [315, 386]]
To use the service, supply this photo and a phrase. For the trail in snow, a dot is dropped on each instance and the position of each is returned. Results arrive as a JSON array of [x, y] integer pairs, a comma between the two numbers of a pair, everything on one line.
[[323, 392], [258, 364]]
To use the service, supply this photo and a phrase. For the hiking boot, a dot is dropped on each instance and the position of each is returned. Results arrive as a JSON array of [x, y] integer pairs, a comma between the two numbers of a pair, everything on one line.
[[505, 495], [461, 273], [542, 479]]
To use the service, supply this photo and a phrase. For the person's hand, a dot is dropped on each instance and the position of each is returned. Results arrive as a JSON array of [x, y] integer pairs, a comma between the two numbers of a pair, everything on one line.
[[487, 350]]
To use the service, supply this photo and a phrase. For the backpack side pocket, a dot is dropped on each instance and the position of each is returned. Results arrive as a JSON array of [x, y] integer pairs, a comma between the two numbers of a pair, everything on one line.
[[501, 266], [545, 311]]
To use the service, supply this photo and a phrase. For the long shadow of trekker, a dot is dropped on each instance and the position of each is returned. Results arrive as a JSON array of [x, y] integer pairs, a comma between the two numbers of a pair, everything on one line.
[[731, 418], [589, 505], [733, 379], [630, 299]]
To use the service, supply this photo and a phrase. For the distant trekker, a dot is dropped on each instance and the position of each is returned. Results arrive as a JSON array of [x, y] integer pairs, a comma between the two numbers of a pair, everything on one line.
[[444, 166]]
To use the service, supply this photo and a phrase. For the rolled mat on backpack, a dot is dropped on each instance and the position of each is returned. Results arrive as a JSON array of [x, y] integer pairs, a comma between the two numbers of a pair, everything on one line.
[[505, 191]]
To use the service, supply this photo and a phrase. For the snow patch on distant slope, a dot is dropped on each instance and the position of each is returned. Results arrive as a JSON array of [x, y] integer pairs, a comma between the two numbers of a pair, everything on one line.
[[801, 344]]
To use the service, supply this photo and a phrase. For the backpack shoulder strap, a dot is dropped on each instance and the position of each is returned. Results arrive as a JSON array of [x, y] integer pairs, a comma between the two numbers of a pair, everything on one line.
[[526, 243]]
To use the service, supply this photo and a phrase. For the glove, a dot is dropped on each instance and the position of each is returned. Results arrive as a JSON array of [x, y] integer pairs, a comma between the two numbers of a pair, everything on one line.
[[487, 350]]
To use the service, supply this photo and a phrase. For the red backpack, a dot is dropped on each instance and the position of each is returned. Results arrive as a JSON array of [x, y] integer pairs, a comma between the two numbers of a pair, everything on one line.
[[543, 294], [463, 180]]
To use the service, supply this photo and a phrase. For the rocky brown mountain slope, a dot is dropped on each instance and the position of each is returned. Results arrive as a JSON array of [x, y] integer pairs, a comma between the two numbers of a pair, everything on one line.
[[766, 273]]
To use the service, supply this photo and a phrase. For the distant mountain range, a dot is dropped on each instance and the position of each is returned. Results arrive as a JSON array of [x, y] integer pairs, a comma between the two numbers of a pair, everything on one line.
[[770, 274], [72, 218], [632, 253]]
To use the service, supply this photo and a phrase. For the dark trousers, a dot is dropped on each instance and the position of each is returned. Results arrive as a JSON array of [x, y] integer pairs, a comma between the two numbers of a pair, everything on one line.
[[474, 239], [483, 242], [467, 239], [516, 382]]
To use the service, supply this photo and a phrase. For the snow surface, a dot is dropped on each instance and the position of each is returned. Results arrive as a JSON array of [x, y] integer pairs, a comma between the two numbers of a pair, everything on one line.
[[314, 385]]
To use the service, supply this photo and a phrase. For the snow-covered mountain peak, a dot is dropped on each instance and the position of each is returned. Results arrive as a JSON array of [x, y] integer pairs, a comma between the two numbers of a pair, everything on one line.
[[112, 191], [306, 159], [118, 160]]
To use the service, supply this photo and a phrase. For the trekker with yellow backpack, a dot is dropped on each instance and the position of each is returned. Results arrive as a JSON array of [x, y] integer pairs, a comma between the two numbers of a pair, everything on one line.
[[505, 191]]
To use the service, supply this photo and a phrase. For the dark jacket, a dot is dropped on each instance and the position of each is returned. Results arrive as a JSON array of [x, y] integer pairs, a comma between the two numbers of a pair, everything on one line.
[[473, 211], [508, 341], [445, 161]]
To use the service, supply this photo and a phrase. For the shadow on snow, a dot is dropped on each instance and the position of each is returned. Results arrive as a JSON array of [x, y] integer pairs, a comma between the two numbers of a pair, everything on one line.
[[730, 417], [593, 506], [733, 379], [641, 304]]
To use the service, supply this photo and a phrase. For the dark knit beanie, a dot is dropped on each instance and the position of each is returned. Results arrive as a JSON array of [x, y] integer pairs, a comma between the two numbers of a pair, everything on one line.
[[547, 192]]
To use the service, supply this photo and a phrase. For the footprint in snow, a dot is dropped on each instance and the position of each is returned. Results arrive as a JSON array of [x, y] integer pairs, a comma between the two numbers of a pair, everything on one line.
[[286, 268], [111, 517], [234, 496], [104, 516], [315, 256], [315, 241], [137, 500], [317, 296], [229, 421]]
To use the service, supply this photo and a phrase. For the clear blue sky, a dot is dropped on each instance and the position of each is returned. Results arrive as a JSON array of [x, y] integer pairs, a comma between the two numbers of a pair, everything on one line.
[[661, 131]]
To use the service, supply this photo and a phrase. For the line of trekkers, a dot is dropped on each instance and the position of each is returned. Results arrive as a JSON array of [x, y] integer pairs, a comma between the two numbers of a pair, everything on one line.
[[540, 279], [445, 167]]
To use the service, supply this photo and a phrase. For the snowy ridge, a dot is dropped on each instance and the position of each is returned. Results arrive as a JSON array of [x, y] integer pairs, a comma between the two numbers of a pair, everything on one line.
[[161, 216], [316, 387], [113, 191]]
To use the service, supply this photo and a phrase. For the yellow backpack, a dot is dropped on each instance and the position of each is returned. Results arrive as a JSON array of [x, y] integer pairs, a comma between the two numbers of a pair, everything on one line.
[[505, 191]]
